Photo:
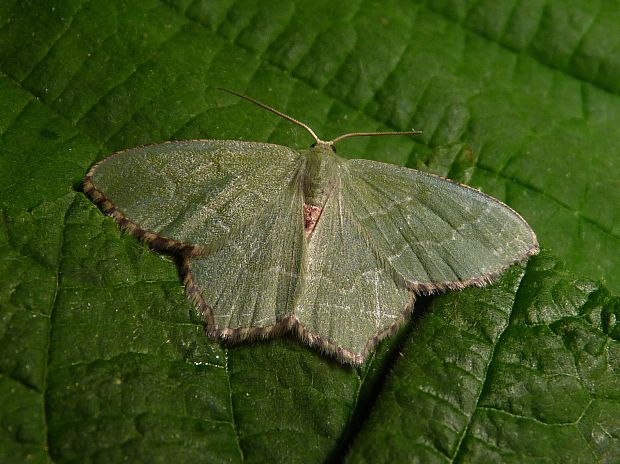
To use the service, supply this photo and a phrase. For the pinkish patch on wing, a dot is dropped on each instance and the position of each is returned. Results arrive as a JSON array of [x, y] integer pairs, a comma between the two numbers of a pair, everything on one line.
[[311, 216]]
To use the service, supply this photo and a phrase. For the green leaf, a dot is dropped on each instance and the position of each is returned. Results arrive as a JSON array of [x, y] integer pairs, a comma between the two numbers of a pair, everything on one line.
[[102, 357], [528, 372]]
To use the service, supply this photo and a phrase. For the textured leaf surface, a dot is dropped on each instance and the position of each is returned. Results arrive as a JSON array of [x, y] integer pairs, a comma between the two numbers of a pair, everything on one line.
[[102, 356], [530, 374]]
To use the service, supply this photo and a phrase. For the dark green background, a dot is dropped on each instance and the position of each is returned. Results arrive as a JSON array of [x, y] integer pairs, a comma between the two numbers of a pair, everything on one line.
[[102, 358]]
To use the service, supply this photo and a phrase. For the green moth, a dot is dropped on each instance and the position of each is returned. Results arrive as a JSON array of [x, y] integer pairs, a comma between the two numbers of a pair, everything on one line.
[[276, 240]]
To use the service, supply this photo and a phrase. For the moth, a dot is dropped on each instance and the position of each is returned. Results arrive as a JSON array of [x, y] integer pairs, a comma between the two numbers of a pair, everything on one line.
[[276, 240]]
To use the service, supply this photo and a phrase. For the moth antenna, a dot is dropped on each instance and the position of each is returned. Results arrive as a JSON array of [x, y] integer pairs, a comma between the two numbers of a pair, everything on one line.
[[373, 134], [273, 110]]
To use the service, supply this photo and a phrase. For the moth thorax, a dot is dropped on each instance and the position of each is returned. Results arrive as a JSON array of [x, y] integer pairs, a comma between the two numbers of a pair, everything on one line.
[[320, 175], [320, 178]]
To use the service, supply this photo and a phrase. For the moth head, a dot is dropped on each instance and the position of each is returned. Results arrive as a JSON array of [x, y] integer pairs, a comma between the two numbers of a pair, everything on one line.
[[327, 144]]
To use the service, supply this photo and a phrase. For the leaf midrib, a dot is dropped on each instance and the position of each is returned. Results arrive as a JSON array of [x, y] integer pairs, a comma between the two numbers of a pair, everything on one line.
[[484, 385]]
